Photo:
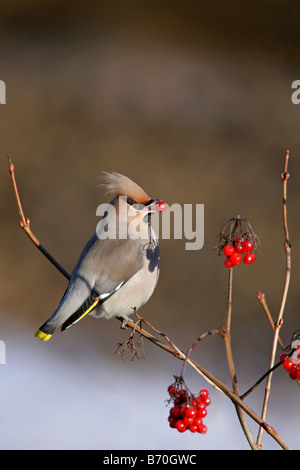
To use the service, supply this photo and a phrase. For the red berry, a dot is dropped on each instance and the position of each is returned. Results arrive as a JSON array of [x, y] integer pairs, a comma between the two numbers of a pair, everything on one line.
[[293, 373], [283, 357], [202, 428], [228, 250], [201, 403], [201, 413], [207, 401], [235, 258], [172, 422], [288, 364], [298, 374], [180, 426], [238, 246], [176, 411], [204, 393], [247, 246], [194, 402], [249, 258], [172, 389], [190, 412], [197, 421], [228, 263], [187, 420], [193, 428]]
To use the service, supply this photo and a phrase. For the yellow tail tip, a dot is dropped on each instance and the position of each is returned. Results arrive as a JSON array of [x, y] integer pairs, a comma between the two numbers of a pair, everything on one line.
[[43, 336]]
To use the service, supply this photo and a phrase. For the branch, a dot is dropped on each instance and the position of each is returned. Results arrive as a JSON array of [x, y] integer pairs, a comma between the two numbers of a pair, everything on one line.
[[25, 223], [212, 379], [242, 397], [227, 339], [262, 298], [200, 338], [287, 246]]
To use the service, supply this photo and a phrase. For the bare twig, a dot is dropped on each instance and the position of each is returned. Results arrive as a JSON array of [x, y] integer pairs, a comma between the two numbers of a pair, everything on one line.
[[242, 397], [133, 349], [200, 338], [287, 246], [25, 223], [262, 298], [176, 351], [227, 334], [227, 339]]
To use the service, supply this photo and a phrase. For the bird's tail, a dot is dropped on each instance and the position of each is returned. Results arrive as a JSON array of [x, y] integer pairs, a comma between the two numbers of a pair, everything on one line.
[[44, 333], [65, 320], [48, 328]]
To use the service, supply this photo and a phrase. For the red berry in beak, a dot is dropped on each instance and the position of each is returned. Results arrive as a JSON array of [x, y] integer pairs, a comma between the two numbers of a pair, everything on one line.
[[161, 206]]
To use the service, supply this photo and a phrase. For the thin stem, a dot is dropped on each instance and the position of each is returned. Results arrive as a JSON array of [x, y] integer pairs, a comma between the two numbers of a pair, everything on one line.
[[176, 351], [227, 333], [227, 339], [200, 338], [262, 299], [287, 246], [242, 397], [25, 223]]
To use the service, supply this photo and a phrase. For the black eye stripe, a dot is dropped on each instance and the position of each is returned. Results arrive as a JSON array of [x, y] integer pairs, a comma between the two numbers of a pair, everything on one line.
[[138, 206], [130, 201]]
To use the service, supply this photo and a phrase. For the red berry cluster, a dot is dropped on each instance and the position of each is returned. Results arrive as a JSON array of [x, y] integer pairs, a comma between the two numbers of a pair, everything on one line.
[[241, 249], [292, 363], [188, 411]]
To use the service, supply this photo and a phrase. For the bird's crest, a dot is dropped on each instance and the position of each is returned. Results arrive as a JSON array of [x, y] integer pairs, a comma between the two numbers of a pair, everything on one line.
[[120, 185]]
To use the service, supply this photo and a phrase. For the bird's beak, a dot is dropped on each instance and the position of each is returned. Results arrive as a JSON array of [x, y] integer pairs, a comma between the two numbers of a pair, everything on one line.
[[155, 205]]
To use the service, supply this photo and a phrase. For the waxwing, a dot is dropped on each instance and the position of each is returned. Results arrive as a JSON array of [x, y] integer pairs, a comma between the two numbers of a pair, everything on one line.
[[119, 267]]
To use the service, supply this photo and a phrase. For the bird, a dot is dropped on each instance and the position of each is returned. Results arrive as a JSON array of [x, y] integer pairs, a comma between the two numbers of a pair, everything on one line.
[[114, 274]]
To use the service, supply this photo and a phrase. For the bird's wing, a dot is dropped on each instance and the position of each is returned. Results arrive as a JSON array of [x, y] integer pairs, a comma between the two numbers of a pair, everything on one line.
[[88, 306], [114, 262]]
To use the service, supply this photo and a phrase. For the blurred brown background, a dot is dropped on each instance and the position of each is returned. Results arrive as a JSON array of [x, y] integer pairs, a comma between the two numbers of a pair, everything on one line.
[[193, 101]]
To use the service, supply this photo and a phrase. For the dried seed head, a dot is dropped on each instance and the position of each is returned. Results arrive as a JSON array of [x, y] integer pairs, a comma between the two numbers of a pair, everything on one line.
[[236, 228]]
